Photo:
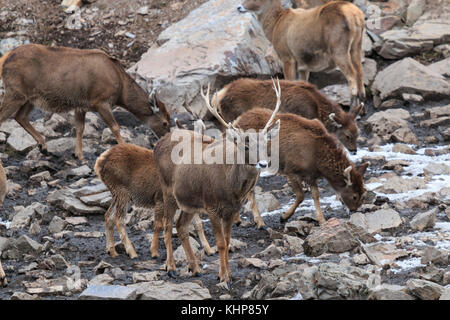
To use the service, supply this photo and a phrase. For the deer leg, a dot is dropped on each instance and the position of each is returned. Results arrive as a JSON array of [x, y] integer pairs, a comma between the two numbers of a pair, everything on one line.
[[104, 110], [255, 210], [11, 103], [183, 235], [159, 216], [303, 75], [315, 194], [22, 118], [227, 224], [355, 53], [109, 229], [216, 224], [290, 69], [342, 58], [121, 229], [170, 207], [198, 225], [296, 185], [80, 117], [3, 281]]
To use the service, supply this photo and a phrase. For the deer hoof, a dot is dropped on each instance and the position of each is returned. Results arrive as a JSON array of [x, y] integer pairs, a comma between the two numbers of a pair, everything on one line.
[[172, 274], [3, 282], [43, 149], [263, 227], [283, 220]]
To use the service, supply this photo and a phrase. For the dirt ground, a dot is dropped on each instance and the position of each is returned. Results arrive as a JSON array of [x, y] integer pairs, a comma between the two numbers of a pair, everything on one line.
[[103, 23]]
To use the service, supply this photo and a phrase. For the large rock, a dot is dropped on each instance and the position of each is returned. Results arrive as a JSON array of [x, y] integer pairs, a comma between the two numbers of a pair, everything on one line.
[[336, 281], [385, 123], [213, 42], [397, 184], [20, 140], [107, 292], [377, 221], [432, 29], [424, 290], [423, 220], [334, 236], [163, 290], [442, 67], [409, 76]]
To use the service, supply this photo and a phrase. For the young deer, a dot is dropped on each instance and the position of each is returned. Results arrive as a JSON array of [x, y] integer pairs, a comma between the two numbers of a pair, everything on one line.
[[308, 152], [299, 98], [130, 174], [317, 39], [58, 79], [212, 186], [3, 192]]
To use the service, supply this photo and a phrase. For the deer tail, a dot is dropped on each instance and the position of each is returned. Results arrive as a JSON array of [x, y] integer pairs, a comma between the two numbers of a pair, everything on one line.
[[2, 61]]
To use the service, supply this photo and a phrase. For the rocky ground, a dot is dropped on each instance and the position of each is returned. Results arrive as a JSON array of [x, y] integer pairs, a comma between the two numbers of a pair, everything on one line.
[[397, 246]]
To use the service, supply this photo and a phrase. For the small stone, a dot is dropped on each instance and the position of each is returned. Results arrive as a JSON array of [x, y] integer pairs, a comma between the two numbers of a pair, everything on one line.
[[108, 292], [423, 220]]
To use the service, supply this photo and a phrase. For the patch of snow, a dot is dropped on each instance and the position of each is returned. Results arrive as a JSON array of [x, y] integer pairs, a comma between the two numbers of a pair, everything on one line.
[[298, 296], [5, 223], [407, 264], [302, 256]]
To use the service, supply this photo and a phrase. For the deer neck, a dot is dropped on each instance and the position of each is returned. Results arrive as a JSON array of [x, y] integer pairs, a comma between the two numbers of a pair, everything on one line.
[[331, 163], [269, 18], [135, 99], [242, 178]]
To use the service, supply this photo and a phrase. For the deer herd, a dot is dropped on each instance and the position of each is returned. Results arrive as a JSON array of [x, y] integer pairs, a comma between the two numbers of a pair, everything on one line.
[[311, 130]]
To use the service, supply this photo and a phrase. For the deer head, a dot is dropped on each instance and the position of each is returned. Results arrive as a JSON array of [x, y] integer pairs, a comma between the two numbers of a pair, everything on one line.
[[159, 120], [352, 194], [243, 141]]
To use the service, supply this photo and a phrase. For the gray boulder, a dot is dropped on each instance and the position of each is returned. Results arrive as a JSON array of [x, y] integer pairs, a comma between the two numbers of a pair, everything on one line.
[[214, 41]]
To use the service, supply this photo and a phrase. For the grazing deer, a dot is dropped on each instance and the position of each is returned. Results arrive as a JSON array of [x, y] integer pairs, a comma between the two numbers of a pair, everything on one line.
[[317, 39], [299, 97], [307, 4], [3, 192], [213, 187], [58, 79], [130, 174], [308, 152]]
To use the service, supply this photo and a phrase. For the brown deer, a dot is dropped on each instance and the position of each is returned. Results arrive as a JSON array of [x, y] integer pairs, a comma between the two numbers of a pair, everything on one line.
[[3, 192], [213, 186], [307, 4], [130, 174], [317, 39], [308, 152], [299, 98], [59, 79]]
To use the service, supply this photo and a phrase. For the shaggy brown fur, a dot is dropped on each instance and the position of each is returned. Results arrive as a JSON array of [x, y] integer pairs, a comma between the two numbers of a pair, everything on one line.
[[307, 4], [298, 97], [317, 39], [58, 79], [130, 174], [306, 153], [217, 189], [3, 192]]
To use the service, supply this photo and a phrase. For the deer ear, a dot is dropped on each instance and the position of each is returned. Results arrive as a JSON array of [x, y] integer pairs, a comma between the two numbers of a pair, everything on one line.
[[355, 112], [362, 168], [274, 130], [334, 120], [347, 176]]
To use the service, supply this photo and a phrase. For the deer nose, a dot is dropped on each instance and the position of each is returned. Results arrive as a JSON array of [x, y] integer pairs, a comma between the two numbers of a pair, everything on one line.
[[241, 9], [353, 152], [262, 164]]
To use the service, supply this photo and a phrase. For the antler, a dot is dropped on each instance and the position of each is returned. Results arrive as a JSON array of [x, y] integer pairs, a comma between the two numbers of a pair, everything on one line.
[[214, 110], [277, 106]]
